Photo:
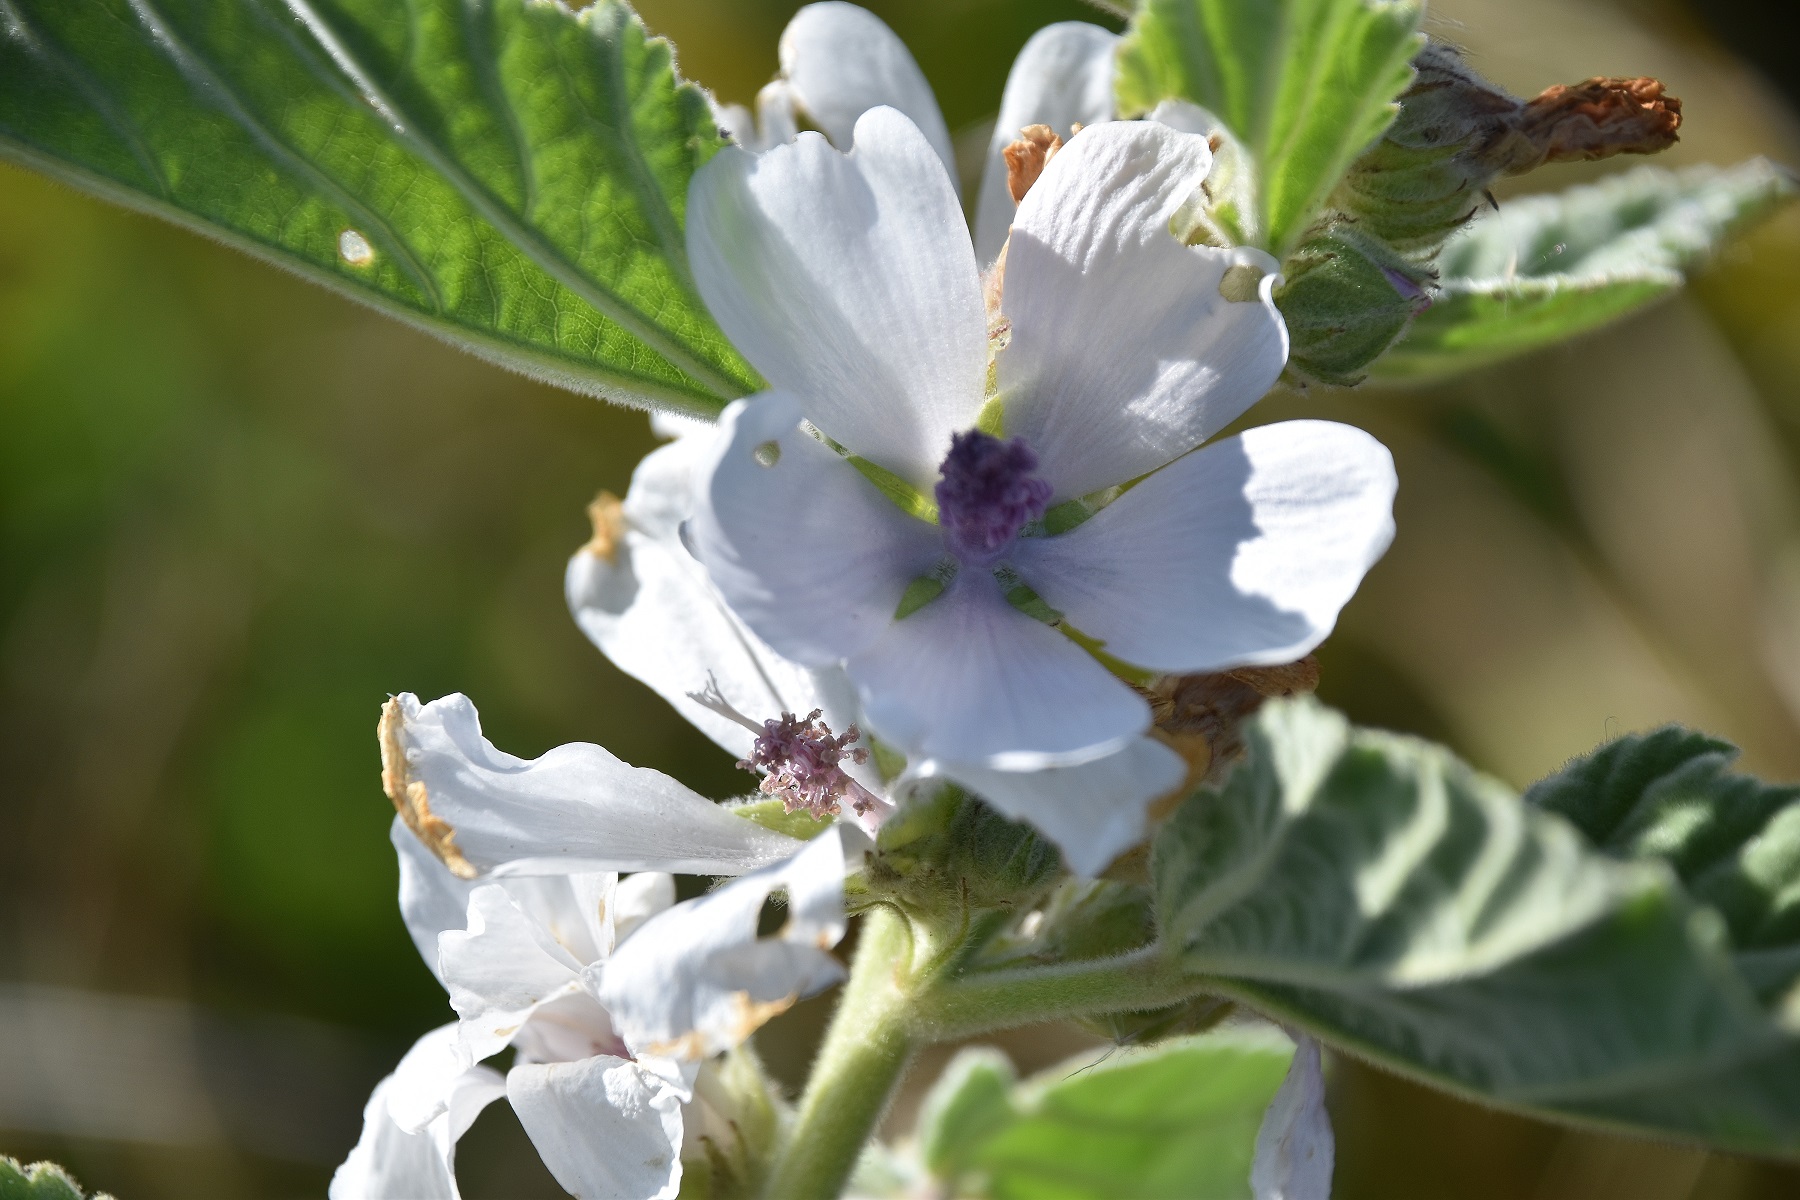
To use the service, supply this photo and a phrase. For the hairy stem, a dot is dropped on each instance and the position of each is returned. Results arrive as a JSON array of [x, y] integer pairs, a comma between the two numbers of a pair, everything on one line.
[[1141, 980], [865, 1052]]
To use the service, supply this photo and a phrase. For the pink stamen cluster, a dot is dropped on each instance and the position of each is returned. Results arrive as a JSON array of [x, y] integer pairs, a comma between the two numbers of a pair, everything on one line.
[[800, 762], [986, 495]]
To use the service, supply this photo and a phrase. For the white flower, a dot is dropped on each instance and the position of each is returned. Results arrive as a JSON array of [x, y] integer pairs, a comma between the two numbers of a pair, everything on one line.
[[649, 606], [849, 281], [1294, 1148], [604, 1089]]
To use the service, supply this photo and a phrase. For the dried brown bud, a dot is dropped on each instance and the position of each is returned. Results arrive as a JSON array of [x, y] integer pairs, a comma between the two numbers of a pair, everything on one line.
[[1200, 715], [1599, 118], [1027, 158]]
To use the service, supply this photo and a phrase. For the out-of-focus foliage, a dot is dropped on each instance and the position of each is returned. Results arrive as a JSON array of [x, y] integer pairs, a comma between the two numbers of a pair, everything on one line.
[[236, 512], [39, 1181], [510, 176]]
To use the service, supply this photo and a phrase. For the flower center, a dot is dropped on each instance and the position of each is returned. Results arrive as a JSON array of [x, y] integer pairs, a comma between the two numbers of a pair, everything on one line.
[[986, 495]]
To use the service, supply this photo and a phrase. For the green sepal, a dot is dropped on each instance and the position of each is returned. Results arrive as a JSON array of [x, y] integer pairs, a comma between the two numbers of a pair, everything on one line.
[[906, 497], [1343, 309], [946, 852], [728, 1159], [773, 815], [918, 594]]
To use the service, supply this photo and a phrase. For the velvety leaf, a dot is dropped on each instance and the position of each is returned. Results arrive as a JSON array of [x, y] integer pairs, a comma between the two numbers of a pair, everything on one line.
[[1544, 269], [1305, 85], [1177, 1120], [1733, 840], [39, 1181], [1390, 899], [506, 174]]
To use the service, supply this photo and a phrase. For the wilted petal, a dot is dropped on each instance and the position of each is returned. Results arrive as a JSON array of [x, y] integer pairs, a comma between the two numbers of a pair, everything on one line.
[[970, 679], [607, 1128], [1294, 1147], [808, 552], [696, 980], [849, 281], [650, 608], [1125, 354], [1063, 77], [577, 808], [1093, 812], [841, 61], [418, 1161], [1240, 554], [432, 899]]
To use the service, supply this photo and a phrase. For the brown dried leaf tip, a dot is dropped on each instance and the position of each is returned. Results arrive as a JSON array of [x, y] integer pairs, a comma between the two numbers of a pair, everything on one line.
[[607, 513], [1027, 158], [1601, 117]]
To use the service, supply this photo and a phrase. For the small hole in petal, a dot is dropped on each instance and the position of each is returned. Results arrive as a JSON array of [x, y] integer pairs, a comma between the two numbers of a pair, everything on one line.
[[1241, 283], [767, 454]]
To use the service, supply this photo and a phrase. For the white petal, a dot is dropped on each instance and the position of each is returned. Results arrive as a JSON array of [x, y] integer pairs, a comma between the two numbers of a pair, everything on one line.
[[808, 552], [841, 61], [420, 1087], [1294, 1147], [638, 898], [1093, 812], [736, 122], [1063, 77], [849, 281], [501, 969], [651, 609], [390, 1162], [971, 679], [1241, 553], [695, 981], [605, 1127], [1124, 354], [432, 899], [577, 808]]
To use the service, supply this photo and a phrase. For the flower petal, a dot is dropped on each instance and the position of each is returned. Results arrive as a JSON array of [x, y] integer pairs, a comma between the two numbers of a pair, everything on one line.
[[391, 1159], [1240, 554], [432, 899], [849, 281], [808, 552], [575, 809], [501, 969], [651, 609], [1294, 1147], [604, 1126], [841, 61], [1063, 77], [696, 981], [970, 679], [1124, 353], [638, 898], [1093, 812]]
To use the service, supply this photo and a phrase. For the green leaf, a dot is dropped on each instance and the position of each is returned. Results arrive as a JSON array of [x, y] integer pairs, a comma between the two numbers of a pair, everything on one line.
[[1378, 892], [1548, 268], [1733, 840], [505, 174], [1305, 85], [1176, 1120], [39, 1181]]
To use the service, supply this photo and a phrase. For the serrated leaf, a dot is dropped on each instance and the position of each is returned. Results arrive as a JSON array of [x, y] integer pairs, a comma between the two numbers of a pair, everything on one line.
[[1177, 1120], [506, 174], [1305, 85], [1548, 268], [39, 1181], [1733, 840], [1390, 899]]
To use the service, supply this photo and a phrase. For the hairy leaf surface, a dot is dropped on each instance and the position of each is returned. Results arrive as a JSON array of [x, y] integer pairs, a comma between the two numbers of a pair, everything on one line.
[[506, 174], [1305, 85], [1544, 269], [1392, 900], [1175, 1120]]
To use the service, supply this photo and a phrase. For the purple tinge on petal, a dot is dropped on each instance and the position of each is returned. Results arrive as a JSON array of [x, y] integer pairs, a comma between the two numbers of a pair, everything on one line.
[[986, 495]]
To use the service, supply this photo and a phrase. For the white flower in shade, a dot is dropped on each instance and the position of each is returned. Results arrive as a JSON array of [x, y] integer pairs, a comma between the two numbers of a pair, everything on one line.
[[837, 62], [649, 606], [1074, 489], [606, 1089], [1295, 1149]]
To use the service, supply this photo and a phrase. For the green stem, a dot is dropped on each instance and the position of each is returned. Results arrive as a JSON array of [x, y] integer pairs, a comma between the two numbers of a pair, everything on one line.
[[865, 1051], [1144, 979]]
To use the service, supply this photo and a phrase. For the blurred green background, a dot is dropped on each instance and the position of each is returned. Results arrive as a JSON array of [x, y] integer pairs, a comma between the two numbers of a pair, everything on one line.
[[236, 512]]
